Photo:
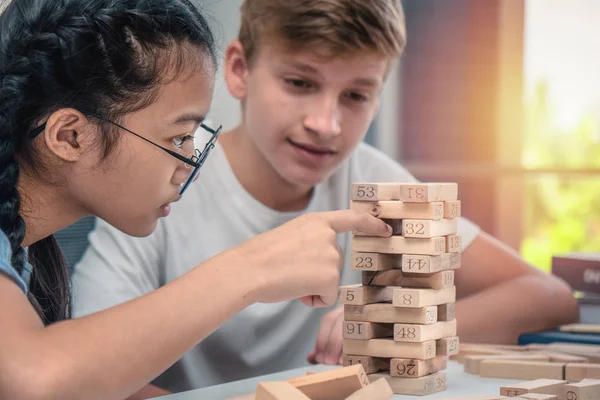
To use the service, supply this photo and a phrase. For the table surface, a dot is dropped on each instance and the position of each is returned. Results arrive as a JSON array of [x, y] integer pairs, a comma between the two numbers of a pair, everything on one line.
[[459, 383]]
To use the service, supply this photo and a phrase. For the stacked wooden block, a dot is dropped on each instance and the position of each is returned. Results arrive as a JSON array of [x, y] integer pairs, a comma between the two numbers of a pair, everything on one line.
[[400, 323]]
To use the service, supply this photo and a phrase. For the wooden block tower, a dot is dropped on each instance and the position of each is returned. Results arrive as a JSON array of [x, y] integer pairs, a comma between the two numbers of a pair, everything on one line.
[[400, 323]]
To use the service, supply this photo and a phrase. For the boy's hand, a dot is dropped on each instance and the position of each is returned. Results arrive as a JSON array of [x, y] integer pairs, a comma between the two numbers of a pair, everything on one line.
[[328, 349]]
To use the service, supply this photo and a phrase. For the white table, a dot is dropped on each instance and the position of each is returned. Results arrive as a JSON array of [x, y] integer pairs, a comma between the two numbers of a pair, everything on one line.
[[459, 383]]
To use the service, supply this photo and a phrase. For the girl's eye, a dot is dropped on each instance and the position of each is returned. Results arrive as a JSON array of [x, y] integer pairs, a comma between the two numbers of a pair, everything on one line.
[[180, 141]]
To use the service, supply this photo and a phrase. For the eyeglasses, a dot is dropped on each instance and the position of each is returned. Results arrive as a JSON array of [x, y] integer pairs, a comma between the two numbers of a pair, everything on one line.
[[195, 161]]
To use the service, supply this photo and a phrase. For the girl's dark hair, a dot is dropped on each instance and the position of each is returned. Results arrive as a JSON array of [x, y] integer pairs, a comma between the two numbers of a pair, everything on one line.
[[104, 56]]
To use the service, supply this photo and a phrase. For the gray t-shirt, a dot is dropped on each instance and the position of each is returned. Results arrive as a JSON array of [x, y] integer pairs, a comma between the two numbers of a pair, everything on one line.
[[22, 280], [215, 214]]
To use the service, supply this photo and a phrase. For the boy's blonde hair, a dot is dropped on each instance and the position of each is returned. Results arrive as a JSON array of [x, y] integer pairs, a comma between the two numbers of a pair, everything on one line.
[[331, 28]]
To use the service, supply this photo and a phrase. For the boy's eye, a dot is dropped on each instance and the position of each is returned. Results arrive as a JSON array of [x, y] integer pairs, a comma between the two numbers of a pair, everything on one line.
[[299, 83], [354, 96], [178, 142]]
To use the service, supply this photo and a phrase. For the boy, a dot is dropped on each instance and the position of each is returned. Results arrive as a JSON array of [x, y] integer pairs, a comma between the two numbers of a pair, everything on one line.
[[307, 75]]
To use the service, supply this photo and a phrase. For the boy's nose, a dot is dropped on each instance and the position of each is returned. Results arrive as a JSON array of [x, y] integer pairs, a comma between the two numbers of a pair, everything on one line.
[[323, 119]]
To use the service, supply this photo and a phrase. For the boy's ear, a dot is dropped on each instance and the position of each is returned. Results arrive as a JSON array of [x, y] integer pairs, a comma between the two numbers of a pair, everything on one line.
[[236, 70]]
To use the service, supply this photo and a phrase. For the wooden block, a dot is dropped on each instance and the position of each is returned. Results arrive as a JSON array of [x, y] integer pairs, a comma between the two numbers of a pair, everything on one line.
[[473, 362], [452, 209], [411, 368], [280, 390], [424, 264], [422, 228], [370, 364], [361, 295], [375, 261], [579, 371], [377, 390], [477, 349], [387, 348], [387, 313], [332, 385], [395, 277], [587, 389], [422, 297], [581, 328], [415, 386], [538, 396], [375, 191], [396, 225], [399, 245], [453, 244], [478, 397], [422, 333], [591, 352], [446, 312], [564, 358], [512, 369], [428, 192], [447, 346], [400, 210], [541, 386], [367, 330]]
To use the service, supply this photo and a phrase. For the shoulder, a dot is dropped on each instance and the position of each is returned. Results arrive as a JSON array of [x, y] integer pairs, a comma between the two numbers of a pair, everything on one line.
[[6, 267]]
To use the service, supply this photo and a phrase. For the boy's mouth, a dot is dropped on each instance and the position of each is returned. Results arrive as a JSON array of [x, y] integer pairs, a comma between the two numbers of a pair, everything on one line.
[[317, 150]]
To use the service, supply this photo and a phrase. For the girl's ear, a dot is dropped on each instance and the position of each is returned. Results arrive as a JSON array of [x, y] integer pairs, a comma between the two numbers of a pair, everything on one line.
[[64, 134]]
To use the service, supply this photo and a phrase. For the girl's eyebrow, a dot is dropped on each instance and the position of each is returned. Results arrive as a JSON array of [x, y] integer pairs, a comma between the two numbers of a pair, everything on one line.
[[190, 117]]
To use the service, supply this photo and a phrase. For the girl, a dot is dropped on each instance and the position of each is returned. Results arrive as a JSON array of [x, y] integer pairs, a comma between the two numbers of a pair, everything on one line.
[[100, 100]]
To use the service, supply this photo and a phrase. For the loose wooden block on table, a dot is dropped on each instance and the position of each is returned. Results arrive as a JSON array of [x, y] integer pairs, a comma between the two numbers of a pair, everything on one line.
[[399, 245], [428, 192], [422, 333], [579, 371], [279, 390], [478, 397], [367, 330], [453, 243], [411, 368], [446, 312], [361, 295], [421, 228], [447, 346], [482, 349], [370, 364], [542, 386], [512, 369], [580, 328], [473, 362], [387, 313], [400, 210], [452, 209], [422, 297], [377, 390], [375, 261], [561, 357], [395, 277], [415, 386], [587, 389], [387, 348], [538, 396], [425, 264], [374, 191], [591, 352], [333, 384]]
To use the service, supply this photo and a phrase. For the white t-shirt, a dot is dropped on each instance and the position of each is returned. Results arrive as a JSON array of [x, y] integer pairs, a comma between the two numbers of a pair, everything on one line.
[[215, 214]]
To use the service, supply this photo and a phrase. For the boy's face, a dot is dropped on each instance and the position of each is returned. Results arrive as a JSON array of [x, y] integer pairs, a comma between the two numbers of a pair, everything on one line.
[[306, 114]]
